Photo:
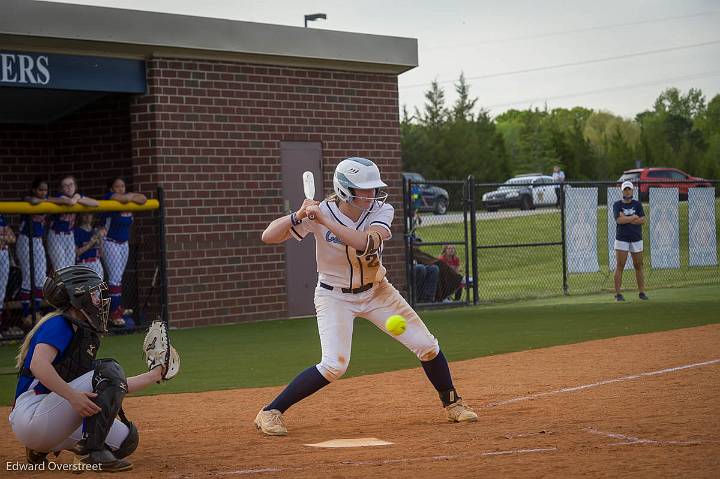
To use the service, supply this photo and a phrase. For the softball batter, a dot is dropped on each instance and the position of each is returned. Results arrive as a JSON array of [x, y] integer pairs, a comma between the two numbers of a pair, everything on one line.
[[66, 399], [60, 241], [350, 228]]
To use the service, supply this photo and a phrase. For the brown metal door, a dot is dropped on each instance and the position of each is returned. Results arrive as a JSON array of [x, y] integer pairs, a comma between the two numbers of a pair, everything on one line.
[[300, 267]]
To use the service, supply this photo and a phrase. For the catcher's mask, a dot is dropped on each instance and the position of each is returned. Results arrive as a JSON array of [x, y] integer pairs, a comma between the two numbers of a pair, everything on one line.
[[81, 287]]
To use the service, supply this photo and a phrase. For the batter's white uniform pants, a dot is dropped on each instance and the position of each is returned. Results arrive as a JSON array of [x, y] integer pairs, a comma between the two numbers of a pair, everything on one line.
[[337, 310], [23, 253], [61, 249], [47, 422]]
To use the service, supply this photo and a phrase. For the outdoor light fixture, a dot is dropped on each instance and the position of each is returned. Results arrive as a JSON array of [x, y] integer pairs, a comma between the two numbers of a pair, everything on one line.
[[314, 16]]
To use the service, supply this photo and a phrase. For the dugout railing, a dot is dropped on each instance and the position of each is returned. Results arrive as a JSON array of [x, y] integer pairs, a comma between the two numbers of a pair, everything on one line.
[[140, 296], [540, 239]]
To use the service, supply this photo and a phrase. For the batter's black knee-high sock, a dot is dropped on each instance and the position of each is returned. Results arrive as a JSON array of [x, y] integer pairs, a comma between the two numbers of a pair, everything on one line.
[[438, 372], [304, 384]]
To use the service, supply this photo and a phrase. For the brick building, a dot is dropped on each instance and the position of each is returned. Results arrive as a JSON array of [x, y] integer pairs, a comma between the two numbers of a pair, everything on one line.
[[228, 114]]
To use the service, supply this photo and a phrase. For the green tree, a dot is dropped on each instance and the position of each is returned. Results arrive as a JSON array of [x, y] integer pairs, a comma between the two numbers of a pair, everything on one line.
[[463, 108]]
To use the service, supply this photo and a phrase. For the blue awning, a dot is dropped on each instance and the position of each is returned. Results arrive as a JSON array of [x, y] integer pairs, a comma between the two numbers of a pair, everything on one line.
[[71, 72]]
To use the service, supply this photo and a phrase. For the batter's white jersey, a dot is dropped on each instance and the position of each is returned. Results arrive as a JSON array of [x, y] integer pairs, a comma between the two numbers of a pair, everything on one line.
[[338, 264]]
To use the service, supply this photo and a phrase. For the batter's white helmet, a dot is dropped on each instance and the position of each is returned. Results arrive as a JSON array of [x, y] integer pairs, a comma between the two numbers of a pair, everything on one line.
[[357, 173]]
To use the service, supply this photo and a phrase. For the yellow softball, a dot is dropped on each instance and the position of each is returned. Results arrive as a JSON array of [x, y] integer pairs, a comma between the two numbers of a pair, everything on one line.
[[396, 324]]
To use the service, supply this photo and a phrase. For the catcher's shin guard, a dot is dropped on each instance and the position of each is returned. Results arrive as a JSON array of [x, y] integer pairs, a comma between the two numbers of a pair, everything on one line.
[[110, 385]]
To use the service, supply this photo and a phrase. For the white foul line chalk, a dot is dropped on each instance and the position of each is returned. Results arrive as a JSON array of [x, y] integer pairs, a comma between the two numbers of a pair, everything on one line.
[[601, 383]]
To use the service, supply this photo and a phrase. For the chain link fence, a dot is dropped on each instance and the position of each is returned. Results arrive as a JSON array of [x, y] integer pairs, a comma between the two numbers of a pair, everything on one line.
[[437, 242], [126, 248], [532, 238]]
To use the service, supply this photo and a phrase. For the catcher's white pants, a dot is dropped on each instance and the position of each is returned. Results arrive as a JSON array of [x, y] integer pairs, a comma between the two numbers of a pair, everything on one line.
[[47, 422], [337, 310], [61, 249], [23, 253]]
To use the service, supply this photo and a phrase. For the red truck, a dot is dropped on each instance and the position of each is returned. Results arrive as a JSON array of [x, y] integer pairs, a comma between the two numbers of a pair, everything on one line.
[[645, 178]]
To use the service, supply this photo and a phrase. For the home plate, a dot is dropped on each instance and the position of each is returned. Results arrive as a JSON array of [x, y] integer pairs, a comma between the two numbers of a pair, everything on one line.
[[359, 442]]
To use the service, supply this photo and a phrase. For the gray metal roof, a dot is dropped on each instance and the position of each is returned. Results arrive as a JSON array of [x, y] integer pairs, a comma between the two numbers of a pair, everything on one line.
[[45, 26]]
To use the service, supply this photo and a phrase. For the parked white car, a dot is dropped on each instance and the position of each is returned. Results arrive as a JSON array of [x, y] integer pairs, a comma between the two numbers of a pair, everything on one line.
[[524, 191]]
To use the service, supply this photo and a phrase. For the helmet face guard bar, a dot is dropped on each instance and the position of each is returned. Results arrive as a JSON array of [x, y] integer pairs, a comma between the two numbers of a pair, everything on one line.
[[380, 197], [95, 306]]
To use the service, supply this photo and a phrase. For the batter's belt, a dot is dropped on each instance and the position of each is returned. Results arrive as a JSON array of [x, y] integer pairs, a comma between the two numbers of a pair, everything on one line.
[[360, 289]]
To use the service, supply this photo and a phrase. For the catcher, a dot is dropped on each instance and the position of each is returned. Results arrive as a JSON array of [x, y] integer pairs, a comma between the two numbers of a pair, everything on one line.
[[66, 399]]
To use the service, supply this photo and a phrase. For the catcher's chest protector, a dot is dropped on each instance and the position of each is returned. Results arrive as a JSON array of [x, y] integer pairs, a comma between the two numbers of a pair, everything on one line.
[[79, 357]]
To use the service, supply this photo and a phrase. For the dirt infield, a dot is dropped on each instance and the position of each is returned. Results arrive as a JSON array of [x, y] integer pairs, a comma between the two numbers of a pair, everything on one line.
[[636, 406]]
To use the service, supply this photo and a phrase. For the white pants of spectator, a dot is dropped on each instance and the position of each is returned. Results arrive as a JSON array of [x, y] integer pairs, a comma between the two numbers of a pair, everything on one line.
[[47, 422], [23, 253], [116, 257], [61, 249], [95, 265], [4, 273]]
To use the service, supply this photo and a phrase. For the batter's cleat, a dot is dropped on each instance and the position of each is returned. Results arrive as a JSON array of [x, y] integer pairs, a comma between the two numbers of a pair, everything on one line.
[[459, 412], [643, 296], [105, 459], [619, 297], [35, 457], [271, 423]]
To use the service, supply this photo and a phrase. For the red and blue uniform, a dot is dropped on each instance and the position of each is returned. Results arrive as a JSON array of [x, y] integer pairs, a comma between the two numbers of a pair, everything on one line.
[[115, 247], [4, 264], [31, 224], [61, 247], [58, 333], [91, 257]]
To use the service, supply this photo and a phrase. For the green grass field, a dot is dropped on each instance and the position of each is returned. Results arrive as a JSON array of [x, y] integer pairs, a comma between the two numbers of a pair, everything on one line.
[[536, 272], [271, 353]]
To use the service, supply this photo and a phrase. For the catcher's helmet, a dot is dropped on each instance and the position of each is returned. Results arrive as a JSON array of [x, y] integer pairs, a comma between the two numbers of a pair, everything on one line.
[[357, 173], [81, 287]]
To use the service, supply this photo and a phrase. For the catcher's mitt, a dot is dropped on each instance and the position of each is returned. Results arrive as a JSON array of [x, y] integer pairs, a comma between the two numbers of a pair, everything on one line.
[[159, 352]]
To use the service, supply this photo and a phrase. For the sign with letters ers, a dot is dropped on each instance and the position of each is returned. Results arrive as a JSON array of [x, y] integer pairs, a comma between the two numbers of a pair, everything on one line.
[[71, 72]]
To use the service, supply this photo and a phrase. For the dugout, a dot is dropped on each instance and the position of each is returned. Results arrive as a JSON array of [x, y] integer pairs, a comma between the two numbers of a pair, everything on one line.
[[225, 115]]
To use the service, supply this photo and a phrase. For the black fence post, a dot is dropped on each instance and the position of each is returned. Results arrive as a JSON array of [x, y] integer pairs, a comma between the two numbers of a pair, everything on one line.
[[410, 241], [564, 242], [163, 257], [473, 237], [466, 238], [31, 253]]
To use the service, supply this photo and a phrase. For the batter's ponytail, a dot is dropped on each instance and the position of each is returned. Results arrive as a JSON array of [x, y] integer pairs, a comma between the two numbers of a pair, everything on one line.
[[28, 338]]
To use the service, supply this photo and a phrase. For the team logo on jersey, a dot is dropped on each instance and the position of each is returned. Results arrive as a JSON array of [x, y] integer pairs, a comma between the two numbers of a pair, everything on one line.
[[91, 350], [331, 238], [628, 211]]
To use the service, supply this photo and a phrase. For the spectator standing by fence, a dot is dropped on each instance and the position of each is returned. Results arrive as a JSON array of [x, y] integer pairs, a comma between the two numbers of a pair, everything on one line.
[[629, 216], [115, 244], [558, 176], [61, 245]]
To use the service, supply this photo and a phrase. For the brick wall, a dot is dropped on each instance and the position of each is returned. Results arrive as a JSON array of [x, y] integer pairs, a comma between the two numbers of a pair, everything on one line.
[[210, 132]]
